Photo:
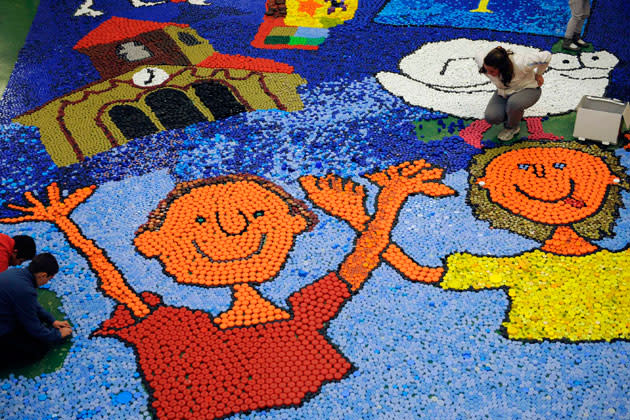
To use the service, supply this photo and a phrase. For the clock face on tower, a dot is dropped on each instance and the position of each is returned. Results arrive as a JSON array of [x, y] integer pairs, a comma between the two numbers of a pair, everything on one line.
[[150, 76]]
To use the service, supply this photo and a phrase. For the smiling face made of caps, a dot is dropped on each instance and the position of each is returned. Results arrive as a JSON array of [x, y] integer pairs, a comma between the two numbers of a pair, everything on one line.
[[554, 186], [443, 76], [224, 233]]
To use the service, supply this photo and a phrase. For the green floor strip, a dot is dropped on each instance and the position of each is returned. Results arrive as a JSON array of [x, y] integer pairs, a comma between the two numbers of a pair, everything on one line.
[[15, 21]]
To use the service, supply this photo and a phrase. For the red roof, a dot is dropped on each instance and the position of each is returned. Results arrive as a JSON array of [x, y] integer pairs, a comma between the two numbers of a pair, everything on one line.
[[218, 60], [118, 29]]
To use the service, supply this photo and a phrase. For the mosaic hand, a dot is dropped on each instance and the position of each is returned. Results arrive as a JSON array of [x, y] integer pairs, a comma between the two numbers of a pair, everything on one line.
[[55, 211], [410, 178], [339, 197]]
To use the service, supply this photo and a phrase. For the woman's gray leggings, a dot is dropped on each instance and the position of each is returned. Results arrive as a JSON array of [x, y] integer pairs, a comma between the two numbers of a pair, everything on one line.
[[510, 110]]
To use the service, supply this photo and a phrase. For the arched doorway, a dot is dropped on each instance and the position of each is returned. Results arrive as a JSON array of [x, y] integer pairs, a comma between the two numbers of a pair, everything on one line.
[[131, 121], [218, 99], [173, 108]]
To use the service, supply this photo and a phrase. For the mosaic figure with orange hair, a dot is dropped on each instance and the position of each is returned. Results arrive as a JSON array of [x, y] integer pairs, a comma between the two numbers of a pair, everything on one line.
[[564, 195], [237, 231]]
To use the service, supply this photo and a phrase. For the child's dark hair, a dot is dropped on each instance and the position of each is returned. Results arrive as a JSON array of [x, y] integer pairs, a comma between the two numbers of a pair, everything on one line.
[[44, 263], [25, 247], [499, 58], [296, 207]]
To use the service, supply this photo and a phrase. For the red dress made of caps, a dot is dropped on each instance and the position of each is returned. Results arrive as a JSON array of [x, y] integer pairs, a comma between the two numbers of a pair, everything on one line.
[[196, 370]]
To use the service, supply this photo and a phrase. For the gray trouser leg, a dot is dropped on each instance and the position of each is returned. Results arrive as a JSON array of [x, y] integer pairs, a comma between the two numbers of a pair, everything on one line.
[[495, 111], [517, 103], [580, 10], [500, 109]]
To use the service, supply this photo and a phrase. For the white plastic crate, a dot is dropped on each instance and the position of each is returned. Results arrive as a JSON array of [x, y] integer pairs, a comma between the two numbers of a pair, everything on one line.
[[600, 119]]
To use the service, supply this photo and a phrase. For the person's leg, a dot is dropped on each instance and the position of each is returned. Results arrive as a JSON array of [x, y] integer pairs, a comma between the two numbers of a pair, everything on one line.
[[517, 103], [580, 11], [514, 108], [495, 111], [18, 348], [584, 12]]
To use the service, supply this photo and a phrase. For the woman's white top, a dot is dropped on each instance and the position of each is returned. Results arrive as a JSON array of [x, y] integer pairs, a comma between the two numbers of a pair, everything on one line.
[[526, 67]]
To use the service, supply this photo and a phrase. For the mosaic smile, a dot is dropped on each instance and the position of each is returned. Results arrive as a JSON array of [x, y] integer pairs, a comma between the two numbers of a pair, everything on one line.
[[567, 199], [261, 244]]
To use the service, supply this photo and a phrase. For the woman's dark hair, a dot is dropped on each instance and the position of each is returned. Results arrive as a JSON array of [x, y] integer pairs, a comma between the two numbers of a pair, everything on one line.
[[44, 263], [499, 58]]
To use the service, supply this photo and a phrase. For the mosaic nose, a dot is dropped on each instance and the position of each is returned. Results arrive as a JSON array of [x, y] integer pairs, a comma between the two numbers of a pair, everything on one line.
[[232, 223]]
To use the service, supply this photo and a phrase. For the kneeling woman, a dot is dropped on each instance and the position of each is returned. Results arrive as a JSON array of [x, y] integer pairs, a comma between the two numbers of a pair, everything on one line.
[[518, 78]]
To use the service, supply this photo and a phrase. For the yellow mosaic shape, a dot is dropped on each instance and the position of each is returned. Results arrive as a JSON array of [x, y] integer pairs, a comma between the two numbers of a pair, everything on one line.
[[305, 13], [576, 298]]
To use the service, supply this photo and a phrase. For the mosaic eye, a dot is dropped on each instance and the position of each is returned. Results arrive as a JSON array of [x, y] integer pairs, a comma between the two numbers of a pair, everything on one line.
[[258, 213], [523, 166], [200, 219], [559, 165]]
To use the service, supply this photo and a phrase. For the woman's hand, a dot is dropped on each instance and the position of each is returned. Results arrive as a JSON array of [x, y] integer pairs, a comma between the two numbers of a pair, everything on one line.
[[539, 79]]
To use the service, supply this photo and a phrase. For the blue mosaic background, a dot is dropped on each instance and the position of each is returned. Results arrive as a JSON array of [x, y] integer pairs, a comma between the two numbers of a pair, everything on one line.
[[420, 351]]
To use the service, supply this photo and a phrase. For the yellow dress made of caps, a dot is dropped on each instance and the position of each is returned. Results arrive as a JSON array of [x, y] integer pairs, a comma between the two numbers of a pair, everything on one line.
[[575, 298]]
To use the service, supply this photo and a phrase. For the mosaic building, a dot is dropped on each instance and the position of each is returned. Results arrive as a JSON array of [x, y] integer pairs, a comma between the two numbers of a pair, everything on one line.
[[155, 77]]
